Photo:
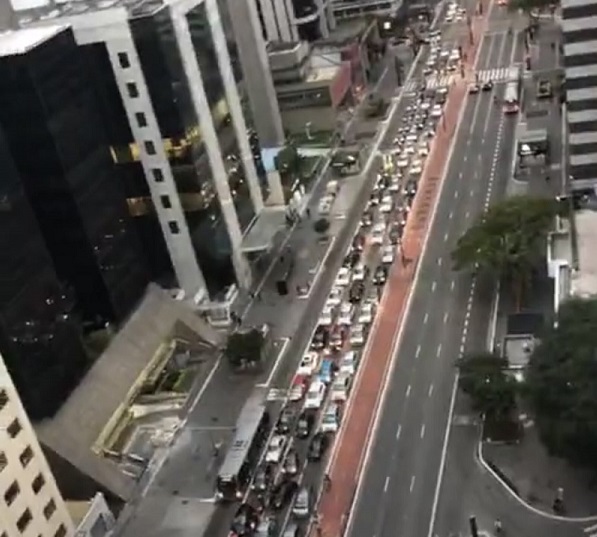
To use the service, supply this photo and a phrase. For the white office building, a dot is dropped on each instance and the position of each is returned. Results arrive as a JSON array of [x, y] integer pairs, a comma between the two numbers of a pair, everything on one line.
[[31, 504], [295, 20], [579, 26]]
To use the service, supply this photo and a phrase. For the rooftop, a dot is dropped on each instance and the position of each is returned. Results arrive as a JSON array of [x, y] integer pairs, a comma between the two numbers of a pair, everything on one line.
[[18, 42], [57, 10], [78, 432], [584, 282]]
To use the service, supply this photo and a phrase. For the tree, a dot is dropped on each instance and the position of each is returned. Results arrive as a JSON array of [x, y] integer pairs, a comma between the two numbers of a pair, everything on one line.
[[484, 379], [508, 241], [288, 159], [561, 383], [245, 348]]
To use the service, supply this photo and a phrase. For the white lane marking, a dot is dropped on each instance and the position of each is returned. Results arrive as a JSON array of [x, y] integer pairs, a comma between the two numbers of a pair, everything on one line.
[[386, 484], [433, 286], [446, 315], [408, 391], [422, 430], [439, 350], [398, 432], [446, 236], [590, 529], [467, 214], [274, 370], [455, 194], [452, 285], [426, 318], [451, 215], [439, 261], [412, 483], [418, 351], [430, 393]]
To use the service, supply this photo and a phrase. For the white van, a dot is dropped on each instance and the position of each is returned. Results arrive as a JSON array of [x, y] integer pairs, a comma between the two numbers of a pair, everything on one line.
[[315, 395], [329, 422]]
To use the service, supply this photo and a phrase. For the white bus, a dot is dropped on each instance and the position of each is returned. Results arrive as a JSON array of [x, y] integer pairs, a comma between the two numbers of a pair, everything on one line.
[[512, 93]]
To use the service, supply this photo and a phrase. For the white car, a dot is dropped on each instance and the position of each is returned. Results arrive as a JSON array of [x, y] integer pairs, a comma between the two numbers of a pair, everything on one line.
[[308, 365], [343, 277], [423, 149], [377, 233], [325, 205], [329, 422], [340, 388], [335, 297], [367, 313], [394, 185], [348, 363], [387, 204], [357, 336], [327, 316], [298, 389], [346, 314], [359, 273], [402, 163], [437, 111], [387, 254], [275, 449], [315, 395]]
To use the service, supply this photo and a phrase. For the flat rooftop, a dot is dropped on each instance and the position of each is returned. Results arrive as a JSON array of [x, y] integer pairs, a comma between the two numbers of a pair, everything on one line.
[[18, 42], [79, 432], [584, 281], [57, 10]]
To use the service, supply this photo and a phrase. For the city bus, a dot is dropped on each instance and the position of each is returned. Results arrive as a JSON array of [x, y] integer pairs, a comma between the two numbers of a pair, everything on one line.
[[512, 92], [251, 433]]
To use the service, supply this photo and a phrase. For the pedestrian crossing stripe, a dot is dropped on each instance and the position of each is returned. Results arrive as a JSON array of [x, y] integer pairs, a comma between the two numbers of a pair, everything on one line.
[[277, 394], [498, 74]]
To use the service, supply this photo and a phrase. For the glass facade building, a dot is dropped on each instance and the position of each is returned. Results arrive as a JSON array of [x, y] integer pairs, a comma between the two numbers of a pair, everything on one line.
[[40, 336], [52, 125]]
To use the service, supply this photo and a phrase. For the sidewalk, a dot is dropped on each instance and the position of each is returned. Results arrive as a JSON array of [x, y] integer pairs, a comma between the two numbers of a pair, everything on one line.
[[347, 461]]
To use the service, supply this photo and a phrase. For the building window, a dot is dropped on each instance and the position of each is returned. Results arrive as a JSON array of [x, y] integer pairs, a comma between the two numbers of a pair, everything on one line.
[[173, 225], [123, 60], [38, 483], [14, 428], [24, 520], [149, 147], [49, 509], [61, 531], [11, 493], [131, 87], [166, 203], [3, 398], [141, 119], [26, 456], [3, 460], [157, 175], [4, 534]]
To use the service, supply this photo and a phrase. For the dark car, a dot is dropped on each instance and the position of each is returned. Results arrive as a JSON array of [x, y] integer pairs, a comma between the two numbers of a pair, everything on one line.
[[410, 188], [488, 86], [395, 234], [317, 447], [357, 290], [367, 219], [352, 259], [283, 493], [304, 424], [291, 463], [320, 338], [358, 243], [245, 520], [285, 420], [381, 275], [262, 478]]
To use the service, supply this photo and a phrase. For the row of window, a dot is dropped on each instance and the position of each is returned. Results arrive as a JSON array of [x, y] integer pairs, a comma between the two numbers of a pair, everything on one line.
[[11, 493], [150, 148]]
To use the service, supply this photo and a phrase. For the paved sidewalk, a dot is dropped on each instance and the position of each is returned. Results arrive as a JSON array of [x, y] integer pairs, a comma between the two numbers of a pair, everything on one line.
[[346, 462]]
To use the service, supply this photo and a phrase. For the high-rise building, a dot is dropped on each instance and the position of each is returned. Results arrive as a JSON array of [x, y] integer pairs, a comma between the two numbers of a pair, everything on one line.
[[295, 20], [351, 9], [580, 63], [40, 334], [168, 76], [54, 133], [32, 504]]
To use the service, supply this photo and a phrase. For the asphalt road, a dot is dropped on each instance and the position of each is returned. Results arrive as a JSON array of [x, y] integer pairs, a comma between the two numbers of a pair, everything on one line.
[[399, 490]]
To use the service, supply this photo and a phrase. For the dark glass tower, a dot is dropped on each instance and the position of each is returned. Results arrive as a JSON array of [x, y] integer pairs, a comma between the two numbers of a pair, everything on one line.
[[54, 131], [40, 339]]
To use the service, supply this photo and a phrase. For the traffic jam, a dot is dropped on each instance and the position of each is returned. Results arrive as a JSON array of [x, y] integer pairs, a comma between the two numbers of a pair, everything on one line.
[[276, 464]]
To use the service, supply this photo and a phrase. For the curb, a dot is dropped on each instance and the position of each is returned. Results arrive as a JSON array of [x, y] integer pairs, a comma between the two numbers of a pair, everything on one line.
[[557, 518]]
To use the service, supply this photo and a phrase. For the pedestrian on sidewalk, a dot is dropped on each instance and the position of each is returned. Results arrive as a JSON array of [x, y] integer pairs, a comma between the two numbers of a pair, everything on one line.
[[327, 482], [308, 212]]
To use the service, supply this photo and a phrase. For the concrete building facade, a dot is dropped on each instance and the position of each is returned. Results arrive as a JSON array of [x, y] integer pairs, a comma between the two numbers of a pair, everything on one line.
[[31, 505], [579, 26]]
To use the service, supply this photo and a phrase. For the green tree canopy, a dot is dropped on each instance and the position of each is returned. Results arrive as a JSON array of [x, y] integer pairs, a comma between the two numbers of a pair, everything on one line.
[[484, 379], [508, 240], [561, 383], [245, 347]]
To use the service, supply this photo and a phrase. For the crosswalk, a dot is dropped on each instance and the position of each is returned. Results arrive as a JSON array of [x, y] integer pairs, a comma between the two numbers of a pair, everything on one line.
[[498, 74], [277, 394]]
